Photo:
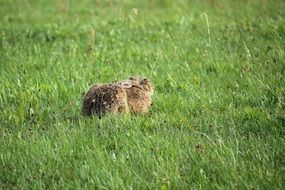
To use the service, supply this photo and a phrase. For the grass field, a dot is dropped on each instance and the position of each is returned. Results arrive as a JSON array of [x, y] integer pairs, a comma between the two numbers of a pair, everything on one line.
[[218, 118]]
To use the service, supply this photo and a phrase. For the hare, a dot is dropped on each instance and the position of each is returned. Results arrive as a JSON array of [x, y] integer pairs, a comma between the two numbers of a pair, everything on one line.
[[131, 95]]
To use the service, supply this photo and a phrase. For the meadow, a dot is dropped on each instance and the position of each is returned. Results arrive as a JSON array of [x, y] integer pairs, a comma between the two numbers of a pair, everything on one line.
[[218, 115]]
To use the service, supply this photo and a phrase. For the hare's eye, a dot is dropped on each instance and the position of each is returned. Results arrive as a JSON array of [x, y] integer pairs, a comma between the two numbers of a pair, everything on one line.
[[144, 81]]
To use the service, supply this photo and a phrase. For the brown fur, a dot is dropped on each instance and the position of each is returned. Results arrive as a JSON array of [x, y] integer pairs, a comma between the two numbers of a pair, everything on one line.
[[132, 95]]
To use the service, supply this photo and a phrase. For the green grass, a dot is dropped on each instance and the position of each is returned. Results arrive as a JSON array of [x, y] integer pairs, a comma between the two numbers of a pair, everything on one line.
[[218, 119]]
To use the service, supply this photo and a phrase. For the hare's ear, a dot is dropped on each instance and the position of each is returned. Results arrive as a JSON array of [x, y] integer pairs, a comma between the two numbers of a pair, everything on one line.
[[126, 84], [137, 86]]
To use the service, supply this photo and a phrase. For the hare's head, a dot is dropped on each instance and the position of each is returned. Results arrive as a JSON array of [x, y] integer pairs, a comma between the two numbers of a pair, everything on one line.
[[143, 83]]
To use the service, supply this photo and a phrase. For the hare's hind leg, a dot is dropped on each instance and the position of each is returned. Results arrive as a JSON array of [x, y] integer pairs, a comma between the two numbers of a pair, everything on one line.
[[123, 109]]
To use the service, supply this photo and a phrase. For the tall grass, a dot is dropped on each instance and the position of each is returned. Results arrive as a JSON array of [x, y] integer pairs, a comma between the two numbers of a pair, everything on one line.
[[218, 114]]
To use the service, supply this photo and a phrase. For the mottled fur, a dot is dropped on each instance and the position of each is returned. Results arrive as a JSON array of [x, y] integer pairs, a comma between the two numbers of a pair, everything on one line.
[[132, 95]]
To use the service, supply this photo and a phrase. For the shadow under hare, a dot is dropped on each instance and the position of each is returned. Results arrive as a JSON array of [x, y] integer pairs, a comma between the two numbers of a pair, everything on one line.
[[131, 95]]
